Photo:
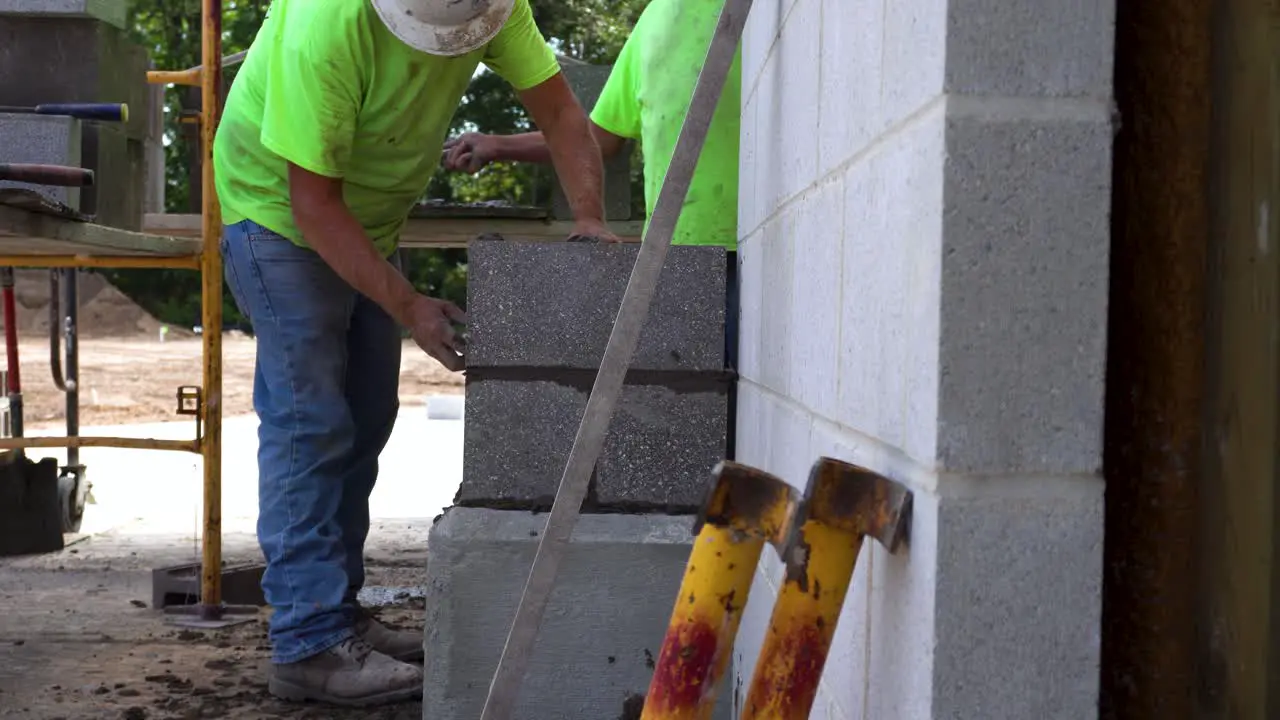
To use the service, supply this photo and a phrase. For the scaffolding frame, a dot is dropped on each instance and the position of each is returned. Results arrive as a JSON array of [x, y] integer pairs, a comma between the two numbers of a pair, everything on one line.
[[137, 254]]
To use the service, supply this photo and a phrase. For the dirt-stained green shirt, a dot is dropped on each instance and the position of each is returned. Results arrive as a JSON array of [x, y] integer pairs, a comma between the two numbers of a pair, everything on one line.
[[327, 87], [647, 97]]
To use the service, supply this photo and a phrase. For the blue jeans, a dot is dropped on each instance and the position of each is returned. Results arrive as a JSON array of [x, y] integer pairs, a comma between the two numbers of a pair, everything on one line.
[[326, 391]]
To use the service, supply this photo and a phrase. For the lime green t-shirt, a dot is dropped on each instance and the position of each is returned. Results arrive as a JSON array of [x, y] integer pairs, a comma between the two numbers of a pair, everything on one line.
[[327, 87], [647, 97]]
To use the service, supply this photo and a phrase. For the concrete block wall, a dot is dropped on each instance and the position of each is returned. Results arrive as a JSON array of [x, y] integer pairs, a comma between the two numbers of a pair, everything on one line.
[[73, 51], [923, 245], [539, 316]]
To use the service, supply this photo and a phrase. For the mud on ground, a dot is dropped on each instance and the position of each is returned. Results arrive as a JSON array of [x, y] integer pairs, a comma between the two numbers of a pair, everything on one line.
[[79, 642]]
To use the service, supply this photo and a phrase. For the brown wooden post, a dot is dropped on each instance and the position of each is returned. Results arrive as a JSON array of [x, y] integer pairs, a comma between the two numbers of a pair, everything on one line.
[[1154, 359], [1239, 620]]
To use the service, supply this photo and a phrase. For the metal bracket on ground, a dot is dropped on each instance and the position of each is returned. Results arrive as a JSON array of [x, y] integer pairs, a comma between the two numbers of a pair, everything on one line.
[[174, 588]]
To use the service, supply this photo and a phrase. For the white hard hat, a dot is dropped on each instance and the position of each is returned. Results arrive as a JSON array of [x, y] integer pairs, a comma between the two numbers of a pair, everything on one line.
[[444, 27]]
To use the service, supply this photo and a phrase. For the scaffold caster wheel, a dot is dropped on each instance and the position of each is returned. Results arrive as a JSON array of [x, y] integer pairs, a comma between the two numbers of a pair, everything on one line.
[[73, 489]]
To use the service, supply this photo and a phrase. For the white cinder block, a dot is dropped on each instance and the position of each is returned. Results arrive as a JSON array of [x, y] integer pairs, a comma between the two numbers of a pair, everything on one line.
[[924, 293], [750, 309], [750, 214], [763, 25], [889, 326], [776, 329], [915, 42], [815, 309], [796, 94], [752, 448], [771, 124], [850, 115], [866, 294], [902, 619]]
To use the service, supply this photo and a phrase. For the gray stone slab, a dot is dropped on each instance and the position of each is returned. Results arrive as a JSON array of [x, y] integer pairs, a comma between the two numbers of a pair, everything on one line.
[[603, 626], [1026, 232], [1030, 48], [661, 448], [587, 81], [553, 304], [1018, 608], [42, 139], [111, 11]]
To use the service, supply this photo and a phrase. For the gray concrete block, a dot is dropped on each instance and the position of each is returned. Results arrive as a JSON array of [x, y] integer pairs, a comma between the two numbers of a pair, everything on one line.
[[41, 139], [111, 11], [1024, 288], [603, 626], [1018, 604], [658, 454], [70, 59], [516, 441], [661, 448], [552, 305], [1030, 48], [121, 164], [587, 81]]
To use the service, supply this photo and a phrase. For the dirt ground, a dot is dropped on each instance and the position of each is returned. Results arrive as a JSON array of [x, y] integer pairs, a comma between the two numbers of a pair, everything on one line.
[[79, 642], [127, 375], [135, 380]]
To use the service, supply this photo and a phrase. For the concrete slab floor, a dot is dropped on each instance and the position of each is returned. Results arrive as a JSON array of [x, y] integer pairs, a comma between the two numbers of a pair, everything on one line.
[[77, 639]]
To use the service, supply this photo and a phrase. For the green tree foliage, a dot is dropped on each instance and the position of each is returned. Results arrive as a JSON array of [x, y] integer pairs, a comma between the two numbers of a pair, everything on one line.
[[590, 30]]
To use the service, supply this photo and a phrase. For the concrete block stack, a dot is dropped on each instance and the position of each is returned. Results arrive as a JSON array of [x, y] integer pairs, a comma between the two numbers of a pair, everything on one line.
[[78, 51], [540, 316]]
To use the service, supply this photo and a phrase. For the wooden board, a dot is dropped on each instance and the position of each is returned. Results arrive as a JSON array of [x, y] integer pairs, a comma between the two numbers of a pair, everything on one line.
[[449, 231], [27, 233]]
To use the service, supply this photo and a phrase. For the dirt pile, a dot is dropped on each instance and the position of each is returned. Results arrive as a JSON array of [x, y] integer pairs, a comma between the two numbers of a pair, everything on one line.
[[105, 312]]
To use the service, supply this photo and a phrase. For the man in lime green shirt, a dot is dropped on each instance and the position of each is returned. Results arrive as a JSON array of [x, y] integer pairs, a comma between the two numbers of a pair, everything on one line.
[[330, 134], [646, 98]]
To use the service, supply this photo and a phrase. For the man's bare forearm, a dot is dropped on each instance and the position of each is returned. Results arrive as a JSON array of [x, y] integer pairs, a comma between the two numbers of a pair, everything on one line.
[[576, 158], [333, 232], [525, 147]]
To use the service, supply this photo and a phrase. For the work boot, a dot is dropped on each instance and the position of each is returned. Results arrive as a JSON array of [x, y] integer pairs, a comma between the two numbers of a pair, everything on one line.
[[351, 673], [399, 644]]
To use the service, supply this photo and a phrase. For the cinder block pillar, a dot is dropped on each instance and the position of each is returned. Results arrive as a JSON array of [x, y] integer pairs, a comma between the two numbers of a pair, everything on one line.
[[540, 316], [924, 248], [79, 51]]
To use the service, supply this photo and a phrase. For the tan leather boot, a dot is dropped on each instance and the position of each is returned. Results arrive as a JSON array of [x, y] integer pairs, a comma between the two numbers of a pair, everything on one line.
[[351, 673], [400, 644]]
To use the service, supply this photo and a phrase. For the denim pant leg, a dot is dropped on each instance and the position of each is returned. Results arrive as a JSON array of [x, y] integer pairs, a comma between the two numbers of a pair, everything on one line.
[[301, 312], [373, 394], [731, 296]]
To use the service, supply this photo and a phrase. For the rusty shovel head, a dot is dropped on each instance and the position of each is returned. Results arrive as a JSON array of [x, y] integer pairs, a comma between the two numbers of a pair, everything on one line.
[[857, 499], [750, 501]]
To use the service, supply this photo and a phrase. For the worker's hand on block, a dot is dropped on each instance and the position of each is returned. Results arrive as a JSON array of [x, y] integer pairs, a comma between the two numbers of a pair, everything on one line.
[[431, 323], [588, 230], [469, 152]]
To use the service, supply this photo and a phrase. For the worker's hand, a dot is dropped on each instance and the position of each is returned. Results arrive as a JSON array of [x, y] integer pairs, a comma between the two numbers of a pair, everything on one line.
[[470, 152], [431, 325], [593, 230]]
